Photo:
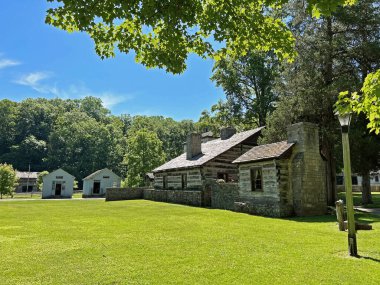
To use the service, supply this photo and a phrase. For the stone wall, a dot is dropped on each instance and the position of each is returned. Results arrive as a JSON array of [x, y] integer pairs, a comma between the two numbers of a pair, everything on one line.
[[192, 198], [223, 195], [115, 194]]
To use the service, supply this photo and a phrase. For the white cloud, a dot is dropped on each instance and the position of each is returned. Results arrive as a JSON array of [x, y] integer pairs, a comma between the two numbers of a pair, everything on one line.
[[4, 63], [34, 81]]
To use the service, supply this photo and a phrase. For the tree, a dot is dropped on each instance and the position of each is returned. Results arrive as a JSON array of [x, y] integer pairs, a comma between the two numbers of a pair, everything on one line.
[[248, 82], [8, 180], [172, 134], [144, 154], [80, 144], [367, 101], [8, 130], [163, 33], [40, 181], [333, 56], [365, 151]]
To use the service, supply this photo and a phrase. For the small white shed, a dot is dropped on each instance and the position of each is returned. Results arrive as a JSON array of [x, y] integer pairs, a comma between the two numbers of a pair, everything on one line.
[[96, 183], [58, 183]]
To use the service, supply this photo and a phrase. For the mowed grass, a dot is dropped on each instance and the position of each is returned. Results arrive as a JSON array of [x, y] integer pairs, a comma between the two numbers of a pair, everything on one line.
[[357, 196], [144, 242]]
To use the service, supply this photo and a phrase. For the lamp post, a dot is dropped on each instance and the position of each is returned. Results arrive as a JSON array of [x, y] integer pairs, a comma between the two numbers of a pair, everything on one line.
[[344, 120]]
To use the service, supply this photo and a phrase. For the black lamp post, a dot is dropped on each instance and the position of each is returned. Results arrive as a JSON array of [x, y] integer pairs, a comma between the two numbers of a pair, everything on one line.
[[344, 120]]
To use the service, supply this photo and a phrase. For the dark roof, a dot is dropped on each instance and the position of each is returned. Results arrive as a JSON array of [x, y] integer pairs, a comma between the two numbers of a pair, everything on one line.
[[264, 152], [30, 175], [210, 150]]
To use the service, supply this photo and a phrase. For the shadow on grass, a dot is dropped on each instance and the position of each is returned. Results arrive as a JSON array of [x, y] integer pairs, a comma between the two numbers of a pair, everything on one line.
[[369, 258], [313, 219]]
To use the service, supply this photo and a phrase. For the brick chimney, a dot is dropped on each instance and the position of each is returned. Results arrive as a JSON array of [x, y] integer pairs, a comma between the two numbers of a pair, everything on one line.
[[226, 133], [193, 145]]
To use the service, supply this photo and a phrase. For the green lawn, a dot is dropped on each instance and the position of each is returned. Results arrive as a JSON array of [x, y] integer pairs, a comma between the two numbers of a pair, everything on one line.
[[143, 242], [358, 199]]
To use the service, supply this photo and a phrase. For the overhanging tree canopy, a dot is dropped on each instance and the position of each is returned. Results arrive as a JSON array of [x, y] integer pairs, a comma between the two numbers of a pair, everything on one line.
[[163, 33]]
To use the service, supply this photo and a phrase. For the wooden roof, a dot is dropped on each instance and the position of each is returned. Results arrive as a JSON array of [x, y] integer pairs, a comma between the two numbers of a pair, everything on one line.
[[264, 152], [210, 150]]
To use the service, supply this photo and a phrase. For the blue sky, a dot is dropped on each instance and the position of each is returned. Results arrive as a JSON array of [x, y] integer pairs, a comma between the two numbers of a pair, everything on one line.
[[37, 60]]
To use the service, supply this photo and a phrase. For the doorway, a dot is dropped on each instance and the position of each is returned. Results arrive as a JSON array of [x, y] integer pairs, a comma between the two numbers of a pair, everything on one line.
[[58, 189], [96, 189]]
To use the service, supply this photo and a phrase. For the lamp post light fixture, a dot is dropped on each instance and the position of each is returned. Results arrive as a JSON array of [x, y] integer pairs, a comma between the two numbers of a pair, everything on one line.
[[344, 120]]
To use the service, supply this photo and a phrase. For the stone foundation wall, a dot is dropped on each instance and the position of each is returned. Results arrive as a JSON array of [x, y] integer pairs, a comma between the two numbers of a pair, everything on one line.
[[116, 194], [192, 198]]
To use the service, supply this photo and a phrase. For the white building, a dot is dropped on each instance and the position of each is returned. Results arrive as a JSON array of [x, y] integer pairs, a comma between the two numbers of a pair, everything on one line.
[[357, 182], [58, 183], [97, 183]]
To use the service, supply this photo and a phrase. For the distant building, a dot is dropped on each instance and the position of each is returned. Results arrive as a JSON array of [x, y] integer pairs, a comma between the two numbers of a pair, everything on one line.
[[59, 184], [96, 183], [357, 182], [27, 182]]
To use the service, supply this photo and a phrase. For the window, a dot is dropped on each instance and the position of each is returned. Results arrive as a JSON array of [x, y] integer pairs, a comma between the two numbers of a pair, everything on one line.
[[59, 177], [106, 177], [339, 180], [223, 176], [376, 178], [165, 181], [354, 180], [256, 179], [184, 181]]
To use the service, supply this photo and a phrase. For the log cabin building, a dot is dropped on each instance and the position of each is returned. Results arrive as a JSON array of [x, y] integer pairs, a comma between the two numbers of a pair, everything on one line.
[[285, 178], [211, 159]]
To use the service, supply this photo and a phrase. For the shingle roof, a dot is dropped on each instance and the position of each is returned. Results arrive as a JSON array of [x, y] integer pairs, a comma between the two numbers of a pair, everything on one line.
[[31, 175], [210, 150], [266, 151]]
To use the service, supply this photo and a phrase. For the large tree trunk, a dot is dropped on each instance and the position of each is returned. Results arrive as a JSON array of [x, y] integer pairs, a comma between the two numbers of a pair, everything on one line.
[[366, 189], [330, 174]]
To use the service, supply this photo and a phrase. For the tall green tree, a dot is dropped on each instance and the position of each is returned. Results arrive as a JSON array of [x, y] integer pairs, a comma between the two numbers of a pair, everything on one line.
[[144, 154], [8, 125], [332, 56], [248, 82], [8, 180]]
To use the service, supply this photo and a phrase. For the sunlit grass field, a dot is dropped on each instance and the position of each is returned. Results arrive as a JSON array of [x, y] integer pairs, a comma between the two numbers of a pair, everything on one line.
[[144, 242]]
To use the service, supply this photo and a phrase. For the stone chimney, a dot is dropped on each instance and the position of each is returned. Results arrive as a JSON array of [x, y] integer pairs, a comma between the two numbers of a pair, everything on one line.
[[193, 145], [308, 170], [226, 133]]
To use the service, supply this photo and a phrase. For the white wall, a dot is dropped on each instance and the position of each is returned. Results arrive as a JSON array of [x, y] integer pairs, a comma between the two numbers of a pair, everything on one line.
[[112, 181], [67, 182]]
